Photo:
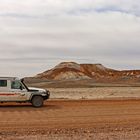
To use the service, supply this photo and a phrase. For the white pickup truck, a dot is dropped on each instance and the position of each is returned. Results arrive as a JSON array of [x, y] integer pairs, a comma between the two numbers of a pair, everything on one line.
[[13, 89]]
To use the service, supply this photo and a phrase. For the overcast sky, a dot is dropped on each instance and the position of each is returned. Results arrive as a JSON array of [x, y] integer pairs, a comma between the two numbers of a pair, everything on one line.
[[35, 35]]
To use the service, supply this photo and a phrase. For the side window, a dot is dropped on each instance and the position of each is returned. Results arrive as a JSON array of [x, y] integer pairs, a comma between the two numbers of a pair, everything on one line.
[[16, 85], [3, 83]]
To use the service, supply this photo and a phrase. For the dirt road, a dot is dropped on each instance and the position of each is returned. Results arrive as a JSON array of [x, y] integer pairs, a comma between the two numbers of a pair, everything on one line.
[[71, 120]]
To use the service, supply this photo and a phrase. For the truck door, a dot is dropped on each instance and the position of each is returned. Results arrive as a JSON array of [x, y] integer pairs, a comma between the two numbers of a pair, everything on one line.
[[18, 91]]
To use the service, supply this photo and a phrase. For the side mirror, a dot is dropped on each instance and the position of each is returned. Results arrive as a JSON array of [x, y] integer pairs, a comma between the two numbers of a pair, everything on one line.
[[22, 80]]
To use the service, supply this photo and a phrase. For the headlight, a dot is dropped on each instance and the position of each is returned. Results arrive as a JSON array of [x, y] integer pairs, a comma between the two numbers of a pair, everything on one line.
[[48, 92]]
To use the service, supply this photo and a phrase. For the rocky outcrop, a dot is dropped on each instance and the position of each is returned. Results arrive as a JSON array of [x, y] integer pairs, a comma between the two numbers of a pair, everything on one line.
[[74, 75], [72, 70]]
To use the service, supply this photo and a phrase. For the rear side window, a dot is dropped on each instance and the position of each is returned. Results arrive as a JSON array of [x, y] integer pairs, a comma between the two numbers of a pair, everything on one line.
[[3, 83]]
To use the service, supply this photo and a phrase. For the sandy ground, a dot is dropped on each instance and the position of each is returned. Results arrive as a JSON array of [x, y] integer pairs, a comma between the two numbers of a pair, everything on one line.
[[66, 120], [96, 93]]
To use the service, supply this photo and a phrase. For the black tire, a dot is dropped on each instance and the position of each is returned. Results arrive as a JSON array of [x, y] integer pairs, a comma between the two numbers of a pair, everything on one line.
[[37, 101]]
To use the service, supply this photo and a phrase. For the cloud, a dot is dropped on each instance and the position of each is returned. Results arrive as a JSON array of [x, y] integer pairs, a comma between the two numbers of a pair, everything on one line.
[[37, 34], [42, 8]]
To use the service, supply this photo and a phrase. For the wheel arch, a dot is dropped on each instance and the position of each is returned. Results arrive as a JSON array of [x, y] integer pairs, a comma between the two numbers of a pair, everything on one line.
[[33, 95]]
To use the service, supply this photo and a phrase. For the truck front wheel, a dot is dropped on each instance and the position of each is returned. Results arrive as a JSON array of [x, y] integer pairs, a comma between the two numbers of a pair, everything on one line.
[[37, 101]]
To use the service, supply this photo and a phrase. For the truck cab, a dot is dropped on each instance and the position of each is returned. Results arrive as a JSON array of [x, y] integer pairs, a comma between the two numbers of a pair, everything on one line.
[[13, 89]]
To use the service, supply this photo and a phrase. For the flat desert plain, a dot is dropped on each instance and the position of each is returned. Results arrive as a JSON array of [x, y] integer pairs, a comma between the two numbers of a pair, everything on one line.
[[97, 93], [75, 113]]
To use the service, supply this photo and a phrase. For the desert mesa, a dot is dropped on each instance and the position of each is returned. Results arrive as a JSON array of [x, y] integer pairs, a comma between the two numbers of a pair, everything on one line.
[[72, 74]]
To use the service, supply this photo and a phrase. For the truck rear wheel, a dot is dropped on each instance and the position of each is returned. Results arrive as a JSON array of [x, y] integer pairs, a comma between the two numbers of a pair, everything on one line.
[[37, 101]]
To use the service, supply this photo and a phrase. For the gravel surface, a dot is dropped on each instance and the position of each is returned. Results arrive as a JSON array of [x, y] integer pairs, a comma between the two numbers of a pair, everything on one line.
[[77, 120]]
